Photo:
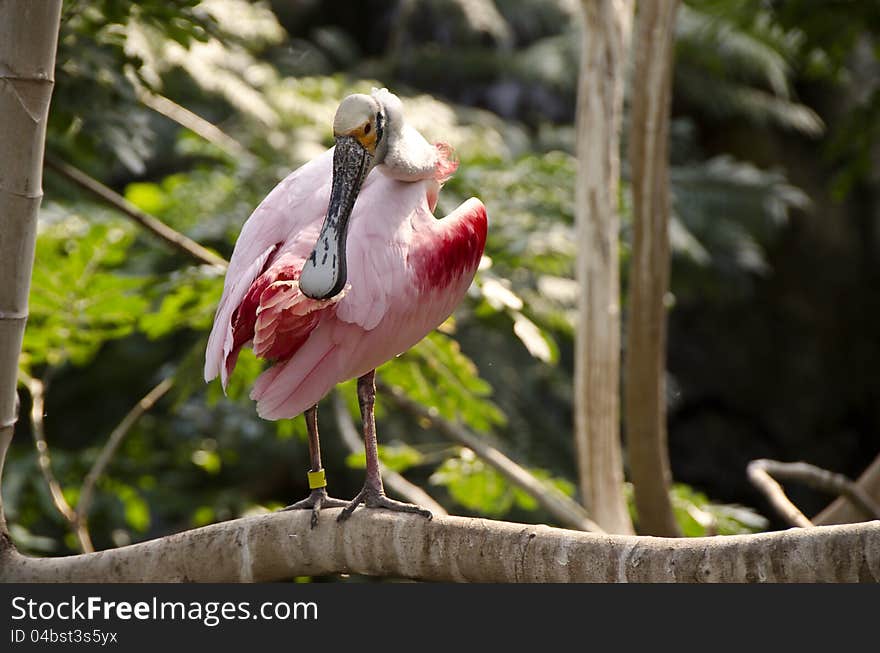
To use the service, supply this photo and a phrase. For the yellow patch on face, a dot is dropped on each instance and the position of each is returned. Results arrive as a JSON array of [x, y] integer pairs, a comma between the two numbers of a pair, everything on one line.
[[365, 135]]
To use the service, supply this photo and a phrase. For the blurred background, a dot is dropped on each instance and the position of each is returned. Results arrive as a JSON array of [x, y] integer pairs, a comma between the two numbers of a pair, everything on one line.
[[193, 111]]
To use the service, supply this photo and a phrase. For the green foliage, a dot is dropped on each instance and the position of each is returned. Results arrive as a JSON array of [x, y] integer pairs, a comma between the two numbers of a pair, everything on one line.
[[725, 215], [95, 108], [187, 300], [481, 489], [825, 42], [80, 299], [735, 62], [436, 373], [531, 209], [698, 516], [531, 244]]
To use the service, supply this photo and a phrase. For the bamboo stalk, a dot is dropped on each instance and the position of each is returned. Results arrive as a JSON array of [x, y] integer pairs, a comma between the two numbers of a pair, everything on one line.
[[28, 38]]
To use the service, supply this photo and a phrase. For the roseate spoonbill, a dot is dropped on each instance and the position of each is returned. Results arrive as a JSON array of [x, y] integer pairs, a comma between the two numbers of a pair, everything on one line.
[[342, 267]]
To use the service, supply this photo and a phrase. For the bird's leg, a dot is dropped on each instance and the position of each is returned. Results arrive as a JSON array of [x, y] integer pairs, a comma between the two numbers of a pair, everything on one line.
[[373, 494], [318, 497]]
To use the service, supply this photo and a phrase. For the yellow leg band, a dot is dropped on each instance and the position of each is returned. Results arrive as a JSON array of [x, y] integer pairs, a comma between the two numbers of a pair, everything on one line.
[[317, 479]]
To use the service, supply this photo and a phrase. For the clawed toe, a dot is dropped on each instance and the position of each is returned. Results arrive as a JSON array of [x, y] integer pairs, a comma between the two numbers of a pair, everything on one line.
[[373, 499], [315, 501]]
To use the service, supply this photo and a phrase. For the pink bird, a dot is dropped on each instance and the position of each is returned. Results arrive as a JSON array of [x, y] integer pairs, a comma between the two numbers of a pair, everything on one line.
[[342, 267]]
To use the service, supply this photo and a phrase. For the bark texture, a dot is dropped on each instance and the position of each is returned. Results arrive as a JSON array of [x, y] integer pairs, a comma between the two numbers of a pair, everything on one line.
[[28, 38], [645, 371], [607, 25], [281, 545]]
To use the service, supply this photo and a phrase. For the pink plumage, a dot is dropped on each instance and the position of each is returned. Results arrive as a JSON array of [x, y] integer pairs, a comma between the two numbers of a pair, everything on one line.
[[407, 270]]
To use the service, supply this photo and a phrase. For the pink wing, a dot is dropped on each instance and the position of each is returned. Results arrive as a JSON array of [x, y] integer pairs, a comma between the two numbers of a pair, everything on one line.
[[291, 212]]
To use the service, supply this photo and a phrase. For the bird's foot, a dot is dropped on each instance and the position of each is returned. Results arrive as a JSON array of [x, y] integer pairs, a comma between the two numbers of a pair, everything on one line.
[[375, 498], [315, 501]]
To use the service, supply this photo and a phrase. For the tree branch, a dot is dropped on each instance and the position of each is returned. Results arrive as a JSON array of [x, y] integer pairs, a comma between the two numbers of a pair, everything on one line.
[[281, 545], [396, 482], [78, 518], [761, 479], [37, 390], [763, 473], [645, 372], [841, 511], [152, 224], [567, 511], [116, 437]]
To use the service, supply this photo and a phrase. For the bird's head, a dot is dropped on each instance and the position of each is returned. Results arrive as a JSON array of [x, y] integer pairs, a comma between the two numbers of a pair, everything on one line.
[[360, 128], [362, 119]]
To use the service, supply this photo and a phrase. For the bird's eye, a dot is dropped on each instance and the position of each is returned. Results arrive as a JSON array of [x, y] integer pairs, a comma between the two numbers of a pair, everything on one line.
[[367, 128]]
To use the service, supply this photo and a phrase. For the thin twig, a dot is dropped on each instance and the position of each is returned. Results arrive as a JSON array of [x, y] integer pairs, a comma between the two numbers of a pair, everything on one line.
[[78, 518], [116, 437], [152, 224], [763, 474], [554, 501], [392, 479], [37, 389], [192, 121], [831, 482]]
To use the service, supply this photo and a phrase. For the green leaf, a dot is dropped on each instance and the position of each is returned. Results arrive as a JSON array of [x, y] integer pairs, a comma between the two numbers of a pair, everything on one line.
[[148, 197], [479, 487], [698, 516], [474, 485], [136, 509]]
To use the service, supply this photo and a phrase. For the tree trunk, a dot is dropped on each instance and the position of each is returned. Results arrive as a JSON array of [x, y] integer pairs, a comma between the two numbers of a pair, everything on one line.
[[607, 25], [282, 545], [28, 37], [645, 371]]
